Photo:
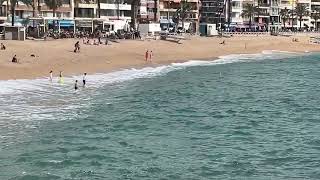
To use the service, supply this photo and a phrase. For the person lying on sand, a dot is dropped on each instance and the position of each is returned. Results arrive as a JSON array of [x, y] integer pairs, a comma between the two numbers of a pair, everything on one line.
[[223, 42], [2, 46], [14, 59]]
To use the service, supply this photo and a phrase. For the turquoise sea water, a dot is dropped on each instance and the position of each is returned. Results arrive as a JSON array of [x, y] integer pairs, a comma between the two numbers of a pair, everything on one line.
[[242, 117]]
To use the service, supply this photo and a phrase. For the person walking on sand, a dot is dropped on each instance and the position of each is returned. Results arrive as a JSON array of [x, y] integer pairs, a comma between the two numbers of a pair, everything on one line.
[[51, 76], [84, 79], [150, 56], [77, 47], [147, 55], [76, 85]]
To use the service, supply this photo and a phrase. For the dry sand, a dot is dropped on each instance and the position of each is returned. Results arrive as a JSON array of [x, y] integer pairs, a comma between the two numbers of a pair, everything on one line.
[[58, 55]]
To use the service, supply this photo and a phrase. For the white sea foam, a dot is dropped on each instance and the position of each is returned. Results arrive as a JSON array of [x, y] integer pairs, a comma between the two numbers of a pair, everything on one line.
[[39, 86]]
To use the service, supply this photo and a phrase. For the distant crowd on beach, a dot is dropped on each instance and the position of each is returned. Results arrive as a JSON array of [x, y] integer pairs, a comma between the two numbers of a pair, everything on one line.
[[148, 53]]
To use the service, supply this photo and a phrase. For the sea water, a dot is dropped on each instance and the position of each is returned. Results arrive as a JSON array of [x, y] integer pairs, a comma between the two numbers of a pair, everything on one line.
[[240, 117]]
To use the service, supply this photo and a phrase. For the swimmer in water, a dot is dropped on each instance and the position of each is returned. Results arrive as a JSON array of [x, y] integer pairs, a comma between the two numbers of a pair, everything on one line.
[[76, 85], [84, 79]]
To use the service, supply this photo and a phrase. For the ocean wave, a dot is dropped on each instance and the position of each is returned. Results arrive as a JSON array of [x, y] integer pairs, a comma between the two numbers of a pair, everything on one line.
[[43, 85]]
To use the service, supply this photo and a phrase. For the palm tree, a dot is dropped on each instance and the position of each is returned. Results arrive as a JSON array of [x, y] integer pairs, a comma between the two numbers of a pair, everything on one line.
[[301, 10], [33, 5], [258, 10], [54, 5], [1, 2], [98, 8], [248, 11], [182, 13], [316, 17], [134, 12], [285, 15], [13, 4], [258, 13], [155, 10]]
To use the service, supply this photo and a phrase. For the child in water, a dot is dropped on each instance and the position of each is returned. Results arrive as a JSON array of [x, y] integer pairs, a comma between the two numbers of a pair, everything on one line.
[[84, 79], [76, 85], [51, 76]]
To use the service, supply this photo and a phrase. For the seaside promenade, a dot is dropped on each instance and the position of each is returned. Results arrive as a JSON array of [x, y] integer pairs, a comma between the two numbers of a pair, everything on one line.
[[58, 55]]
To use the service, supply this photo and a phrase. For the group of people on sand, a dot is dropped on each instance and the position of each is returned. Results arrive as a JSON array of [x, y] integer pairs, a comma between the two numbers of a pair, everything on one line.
[[61, 80], [149, 56], [86, 41], [97, 42]]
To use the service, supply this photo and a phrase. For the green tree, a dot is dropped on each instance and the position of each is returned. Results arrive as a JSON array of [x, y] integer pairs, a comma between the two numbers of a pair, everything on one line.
[[13, 4], [1, 12], [54, 5], [301, 10], [134, 12], [98, 9], [316, 17], [285, 15], [248, 12], [182, 13]]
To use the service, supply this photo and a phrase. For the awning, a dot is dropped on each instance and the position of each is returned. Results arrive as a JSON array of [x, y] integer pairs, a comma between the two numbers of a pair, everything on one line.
[[308, 24], [165, 21], [63, 23], [84, 23]]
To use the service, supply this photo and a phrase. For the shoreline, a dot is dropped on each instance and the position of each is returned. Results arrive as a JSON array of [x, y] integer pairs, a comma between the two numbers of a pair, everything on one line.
[[55, 55]]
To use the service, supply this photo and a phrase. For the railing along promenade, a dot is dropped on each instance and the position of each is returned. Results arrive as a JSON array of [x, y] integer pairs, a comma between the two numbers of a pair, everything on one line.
[[246, 33]]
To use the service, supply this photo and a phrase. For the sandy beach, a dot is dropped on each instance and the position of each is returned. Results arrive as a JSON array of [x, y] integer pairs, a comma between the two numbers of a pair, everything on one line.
[[58, 55]]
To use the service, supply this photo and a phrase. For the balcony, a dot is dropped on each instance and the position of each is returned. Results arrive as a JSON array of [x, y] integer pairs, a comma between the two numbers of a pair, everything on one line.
[[170, 10], [315, 3], [264, 5], [116, 17], [151, 5], [86, 5], [125, 7]]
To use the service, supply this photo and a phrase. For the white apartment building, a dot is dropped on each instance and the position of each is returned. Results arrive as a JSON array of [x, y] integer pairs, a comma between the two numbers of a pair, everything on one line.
[[291, 4], [315, 4]]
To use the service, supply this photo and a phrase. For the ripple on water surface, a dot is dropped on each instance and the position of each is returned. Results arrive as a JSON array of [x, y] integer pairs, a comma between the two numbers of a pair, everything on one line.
[[241, 117]]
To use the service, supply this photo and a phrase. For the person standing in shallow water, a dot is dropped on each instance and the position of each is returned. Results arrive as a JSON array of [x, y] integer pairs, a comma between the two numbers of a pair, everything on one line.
[[84, 79], [76, 85], [51, 76], [60, 78]]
